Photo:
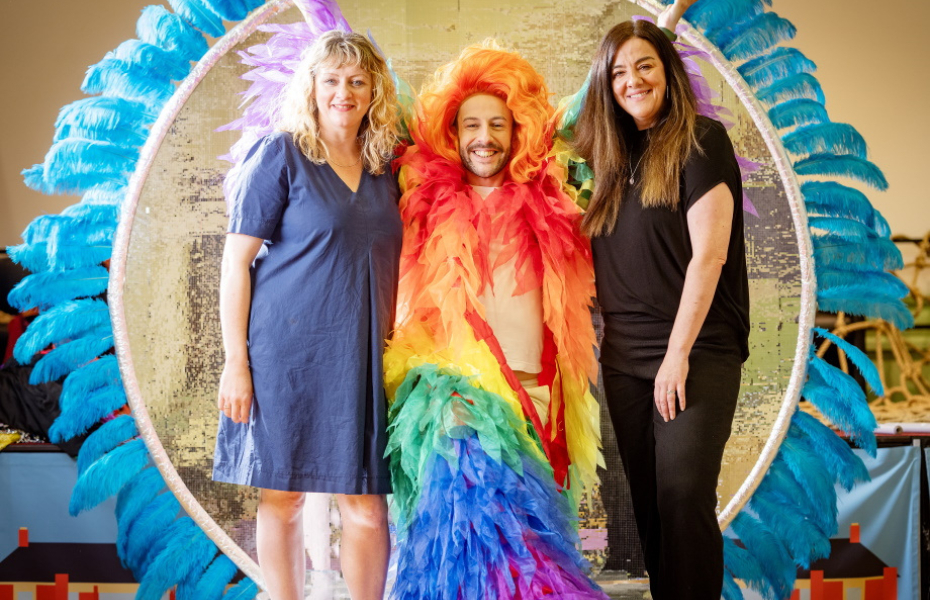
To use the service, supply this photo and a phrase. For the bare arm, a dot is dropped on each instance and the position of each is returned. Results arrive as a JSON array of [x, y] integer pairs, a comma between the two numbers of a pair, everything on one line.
[[672, 13], [709, 221], [235, 393]]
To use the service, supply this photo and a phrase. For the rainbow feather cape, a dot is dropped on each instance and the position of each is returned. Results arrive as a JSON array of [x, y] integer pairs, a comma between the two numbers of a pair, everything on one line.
[[477, 476]]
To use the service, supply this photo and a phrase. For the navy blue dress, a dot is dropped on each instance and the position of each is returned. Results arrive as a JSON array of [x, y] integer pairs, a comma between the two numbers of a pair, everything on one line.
[[324, 287]]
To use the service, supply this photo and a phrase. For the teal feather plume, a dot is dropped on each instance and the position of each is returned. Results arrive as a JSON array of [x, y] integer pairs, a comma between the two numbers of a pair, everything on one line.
[[105, 119], [842, 166], [803, 85], [841, 227], [244, 590], [829, 198], [826, 138], [744, 566], [44, 290], [40, 228], [803, 540], [776, 564], [108, 476], [79, 416], [186, 555], [32, 257], [847, 468], [860, 255], [751, 38], [106, 438], [160, 27], [229, 10], [573, 105], [114, 77], [67, 357], [211, 584], [709, 16], [74, 165], [66, 321], [109, 193], [93, 214], [731, 590], [200, 15], [856, 300], [154, 60], [145, 535], [774, 66], [875, 284], [798, 112], [840, 399], [813, 477], [779, 485], [139, 493]]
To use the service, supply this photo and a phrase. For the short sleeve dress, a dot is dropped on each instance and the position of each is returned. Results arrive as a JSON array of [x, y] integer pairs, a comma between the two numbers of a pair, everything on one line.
[[324, 288]]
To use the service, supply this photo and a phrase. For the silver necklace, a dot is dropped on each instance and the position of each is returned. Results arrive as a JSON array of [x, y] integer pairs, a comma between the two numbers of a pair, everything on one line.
[[633, 171]]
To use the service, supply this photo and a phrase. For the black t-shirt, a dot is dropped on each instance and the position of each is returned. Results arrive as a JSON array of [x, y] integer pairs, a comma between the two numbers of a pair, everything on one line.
[[641, 265]]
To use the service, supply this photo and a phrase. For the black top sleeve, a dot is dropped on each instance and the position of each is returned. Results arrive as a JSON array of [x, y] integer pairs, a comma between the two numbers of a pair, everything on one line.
[[714, 164]]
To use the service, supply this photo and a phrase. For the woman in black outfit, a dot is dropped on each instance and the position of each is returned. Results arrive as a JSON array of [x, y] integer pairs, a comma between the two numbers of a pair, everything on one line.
[[667, 233]]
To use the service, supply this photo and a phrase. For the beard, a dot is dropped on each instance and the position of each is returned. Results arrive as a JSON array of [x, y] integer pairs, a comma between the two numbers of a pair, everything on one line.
[[484, 170]]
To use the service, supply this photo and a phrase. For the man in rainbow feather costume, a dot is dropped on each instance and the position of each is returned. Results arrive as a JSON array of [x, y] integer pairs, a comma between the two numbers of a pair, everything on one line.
[[493, 429]]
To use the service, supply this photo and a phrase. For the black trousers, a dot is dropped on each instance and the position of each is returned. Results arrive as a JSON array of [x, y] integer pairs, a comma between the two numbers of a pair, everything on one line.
[[673, 469]]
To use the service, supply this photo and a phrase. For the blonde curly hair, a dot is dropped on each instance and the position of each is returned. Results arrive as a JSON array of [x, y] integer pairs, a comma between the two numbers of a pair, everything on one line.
[[299, 115]]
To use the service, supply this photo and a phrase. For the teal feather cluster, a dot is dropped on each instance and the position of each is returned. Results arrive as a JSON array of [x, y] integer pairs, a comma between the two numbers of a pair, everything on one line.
[[106, 438], [751, 38], [798, 112], [820, 138], [775, 65]]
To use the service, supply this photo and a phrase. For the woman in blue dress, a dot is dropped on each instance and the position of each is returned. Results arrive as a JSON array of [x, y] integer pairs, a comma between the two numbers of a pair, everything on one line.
[[307, 297]]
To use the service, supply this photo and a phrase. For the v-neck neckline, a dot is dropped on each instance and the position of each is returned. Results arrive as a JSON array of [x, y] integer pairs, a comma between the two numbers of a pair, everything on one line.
[[343, 181]]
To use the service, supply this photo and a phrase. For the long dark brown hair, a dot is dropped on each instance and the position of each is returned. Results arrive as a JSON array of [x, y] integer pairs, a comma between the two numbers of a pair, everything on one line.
[[599, 137]]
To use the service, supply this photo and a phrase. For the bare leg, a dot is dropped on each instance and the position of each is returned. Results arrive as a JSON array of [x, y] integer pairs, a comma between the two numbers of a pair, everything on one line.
[[366, 545], [280, 540]]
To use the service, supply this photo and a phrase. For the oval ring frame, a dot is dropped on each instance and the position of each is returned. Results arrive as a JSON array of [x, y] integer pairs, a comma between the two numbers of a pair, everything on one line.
[[246, 28]]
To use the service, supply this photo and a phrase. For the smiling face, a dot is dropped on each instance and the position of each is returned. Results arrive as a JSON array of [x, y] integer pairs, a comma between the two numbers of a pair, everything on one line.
[[485, 128], [343, 95], [638, 81]]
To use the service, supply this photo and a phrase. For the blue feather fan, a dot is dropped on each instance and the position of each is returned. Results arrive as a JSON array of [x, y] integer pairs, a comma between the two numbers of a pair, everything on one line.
[[842, 166], [105, 119], [731, 590], [826, 138], [45, 290], [78, 417], [841, 227], [798, 112], [68, 357], [780, 486], [160, 27], [845, 466], [83, 382], [40, 229], [773, 557], [109, 193], [862, 255], [749, 39], [832, 199], [746, 567], [103, 479], [112, 77], [710, 16], [804, 540], [855, 301], [885, 285], [792, 88], [66, 321], [92, 214], [776, 65], [866, 367], [146, 535], [139, 493], [107, 437], [840, 399], [186, 555], [154, 60], [75, 165], [200, 15], [211, 584], [32, 257]]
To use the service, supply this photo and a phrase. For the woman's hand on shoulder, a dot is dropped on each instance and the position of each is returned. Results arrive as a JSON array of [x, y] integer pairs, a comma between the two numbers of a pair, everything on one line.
[[669, 391], [235, 395]]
